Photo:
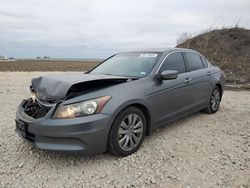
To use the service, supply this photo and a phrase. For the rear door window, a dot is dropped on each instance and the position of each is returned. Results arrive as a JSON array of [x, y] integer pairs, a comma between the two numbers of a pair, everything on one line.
[[194, 61], [174, 61]]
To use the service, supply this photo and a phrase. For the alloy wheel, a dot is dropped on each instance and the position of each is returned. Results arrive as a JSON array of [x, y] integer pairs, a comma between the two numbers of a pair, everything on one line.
[[215, 99], [130, 132]]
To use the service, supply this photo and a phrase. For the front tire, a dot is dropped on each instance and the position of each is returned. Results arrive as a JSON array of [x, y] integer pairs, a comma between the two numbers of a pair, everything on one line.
[[214, 101], [127, 132]]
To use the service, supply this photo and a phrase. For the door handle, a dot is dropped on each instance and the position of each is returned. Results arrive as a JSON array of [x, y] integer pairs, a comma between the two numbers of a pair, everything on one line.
[[188, 80], [209, 73]]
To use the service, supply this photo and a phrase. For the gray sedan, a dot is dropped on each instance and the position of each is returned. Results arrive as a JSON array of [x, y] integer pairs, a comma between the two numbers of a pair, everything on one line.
[[116, 104]]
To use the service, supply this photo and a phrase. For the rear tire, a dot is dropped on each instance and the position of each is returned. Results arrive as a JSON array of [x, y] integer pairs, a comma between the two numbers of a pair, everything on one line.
[[127, 132], [214, 101]]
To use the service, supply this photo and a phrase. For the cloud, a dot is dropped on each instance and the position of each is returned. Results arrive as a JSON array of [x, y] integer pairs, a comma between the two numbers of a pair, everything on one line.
[[97, 28]]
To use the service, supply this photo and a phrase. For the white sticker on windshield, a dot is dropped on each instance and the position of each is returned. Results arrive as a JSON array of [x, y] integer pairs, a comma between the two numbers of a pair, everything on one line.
[[143, 73], [148, 55]]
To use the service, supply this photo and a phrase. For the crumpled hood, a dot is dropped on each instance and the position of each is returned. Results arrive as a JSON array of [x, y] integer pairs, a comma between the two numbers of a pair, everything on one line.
[[56, 87]]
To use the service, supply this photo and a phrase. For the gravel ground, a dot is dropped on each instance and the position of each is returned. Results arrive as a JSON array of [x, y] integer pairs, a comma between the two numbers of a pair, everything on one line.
[[198, 151]]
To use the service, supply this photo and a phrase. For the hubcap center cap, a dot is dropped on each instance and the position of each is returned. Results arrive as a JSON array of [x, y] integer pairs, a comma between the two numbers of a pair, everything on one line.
[[130, 131]]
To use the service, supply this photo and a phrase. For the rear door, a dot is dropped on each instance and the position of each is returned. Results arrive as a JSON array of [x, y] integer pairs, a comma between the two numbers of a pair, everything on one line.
[[170, 97], [199, 83]]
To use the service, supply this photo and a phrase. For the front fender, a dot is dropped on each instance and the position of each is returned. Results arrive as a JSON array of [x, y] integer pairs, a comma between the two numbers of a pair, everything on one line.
[[139, 103]]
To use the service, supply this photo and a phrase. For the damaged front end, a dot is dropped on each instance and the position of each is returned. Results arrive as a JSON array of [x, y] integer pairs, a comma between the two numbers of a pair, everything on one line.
[[34, 109], [29, 110], [48, 91], [56, 88]]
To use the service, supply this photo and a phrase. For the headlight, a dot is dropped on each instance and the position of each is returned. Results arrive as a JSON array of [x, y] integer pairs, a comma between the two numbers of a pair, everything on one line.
[[81, 109]]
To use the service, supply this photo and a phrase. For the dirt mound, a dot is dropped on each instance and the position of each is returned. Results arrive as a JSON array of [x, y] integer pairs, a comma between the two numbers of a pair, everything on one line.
[[227, 48]]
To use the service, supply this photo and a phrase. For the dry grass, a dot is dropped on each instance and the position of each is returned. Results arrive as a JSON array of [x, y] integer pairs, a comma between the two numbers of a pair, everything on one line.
[[40, 65]]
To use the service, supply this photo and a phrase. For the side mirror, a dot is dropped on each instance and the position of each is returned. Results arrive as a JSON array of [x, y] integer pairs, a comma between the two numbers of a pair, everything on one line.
[[168, 75]]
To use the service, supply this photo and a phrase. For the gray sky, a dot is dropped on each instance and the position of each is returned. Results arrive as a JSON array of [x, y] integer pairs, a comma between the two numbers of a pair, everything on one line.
[[98, 28]]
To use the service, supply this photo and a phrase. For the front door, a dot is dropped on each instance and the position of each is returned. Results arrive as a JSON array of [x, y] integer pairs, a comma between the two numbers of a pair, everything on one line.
[[169, 98]]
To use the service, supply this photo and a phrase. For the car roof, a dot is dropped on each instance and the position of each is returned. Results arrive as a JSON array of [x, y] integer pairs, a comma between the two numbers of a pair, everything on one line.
[[162, 50]]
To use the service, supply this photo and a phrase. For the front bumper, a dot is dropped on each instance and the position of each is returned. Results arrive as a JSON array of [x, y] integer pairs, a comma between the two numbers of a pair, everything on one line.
[[88, 135]]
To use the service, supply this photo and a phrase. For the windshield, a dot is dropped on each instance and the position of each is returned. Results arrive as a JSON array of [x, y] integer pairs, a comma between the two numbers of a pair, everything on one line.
[[136, 64]]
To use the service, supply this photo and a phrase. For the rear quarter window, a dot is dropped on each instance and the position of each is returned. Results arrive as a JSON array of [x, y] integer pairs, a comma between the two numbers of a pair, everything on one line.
[[194, 61]]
